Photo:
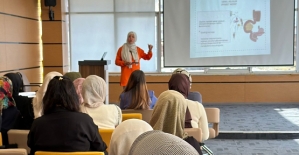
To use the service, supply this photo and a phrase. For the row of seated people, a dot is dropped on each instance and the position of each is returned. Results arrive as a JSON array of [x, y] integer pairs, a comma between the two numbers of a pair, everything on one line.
[[93, 96]]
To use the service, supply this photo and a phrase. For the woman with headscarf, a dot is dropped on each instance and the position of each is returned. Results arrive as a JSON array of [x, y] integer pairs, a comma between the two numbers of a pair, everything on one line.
[[181, 84], [94, 94], [128, 57], [161, 143], [193, 95], [23, 103], [73, 75], [124, 135], [9, 112], [136, 95], [62, 127], [169, 116], [78, 85], [37, 102]]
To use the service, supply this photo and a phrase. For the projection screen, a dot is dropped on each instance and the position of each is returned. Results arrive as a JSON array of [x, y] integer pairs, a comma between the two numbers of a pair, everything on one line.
[[201, 33]]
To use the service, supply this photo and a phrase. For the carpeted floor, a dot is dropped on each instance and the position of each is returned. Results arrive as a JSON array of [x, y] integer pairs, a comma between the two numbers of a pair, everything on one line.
[[253, 118]]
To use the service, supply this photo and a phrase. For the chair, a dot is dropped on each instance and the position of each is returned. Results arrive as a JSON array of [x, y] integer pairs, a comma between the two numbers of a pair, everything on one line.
[[18, 151], [195, 132], [131, 116], [68, 153], [213, 115], [146, 114], [18, 137], [1, 139], [106, 136]]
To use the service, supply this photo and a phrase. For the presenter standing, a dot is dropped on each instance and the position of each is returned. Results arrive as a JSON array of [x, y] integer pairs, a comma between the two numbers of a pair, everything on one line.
[[128, 57]]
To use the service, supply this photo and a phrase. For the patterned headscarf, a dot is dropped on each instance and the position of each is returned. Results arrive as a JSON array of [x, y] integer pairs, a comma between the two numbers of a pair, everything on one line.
[[78, 85], [124, 135], [94, 91], [37, 102], [129, 50], [160, 143], [6, 90], [17, 82], [169, 113]]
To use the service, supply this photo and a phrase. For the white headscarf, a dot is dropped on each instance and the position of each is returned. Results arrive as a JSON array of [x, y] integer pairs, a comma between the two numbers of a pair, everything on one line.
[[37, 102], [125, 134], [130, 49], [94, 91], [160, 143]]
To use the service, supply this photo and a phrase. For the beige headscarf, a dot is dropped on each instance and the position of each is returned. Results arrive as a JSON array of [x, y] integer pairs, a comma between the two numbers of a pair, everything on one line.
[[130, 49], [169, 113], [37, 102], [125, 134], [94, 91], [160, 143]]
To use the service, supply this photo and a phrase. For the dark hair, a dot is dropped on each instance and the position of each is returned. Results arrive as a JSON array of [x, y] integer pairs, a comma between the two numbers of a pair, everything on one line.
[[61, 92], [138, 88]]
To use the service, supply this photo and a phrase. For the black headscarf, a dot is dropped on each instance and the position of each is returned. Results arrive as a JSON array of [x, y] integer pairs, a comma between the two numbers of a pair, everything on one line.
[[17, 83]]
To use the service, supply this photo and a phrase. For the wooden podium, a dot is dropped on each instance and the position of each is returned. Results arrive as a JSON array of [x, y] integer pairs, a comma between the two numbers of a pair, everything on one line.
[[96, 67]]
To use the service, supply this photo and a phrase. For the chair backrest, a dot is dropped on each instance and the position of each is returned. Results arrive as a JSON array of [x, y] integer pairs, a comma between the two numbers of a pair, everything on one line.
[[195, 96], [195, 132], [1, 139], [131, 116], [68, 153], [18, 137], [213, 115], [18, 151], [146, 114], [106, 136]]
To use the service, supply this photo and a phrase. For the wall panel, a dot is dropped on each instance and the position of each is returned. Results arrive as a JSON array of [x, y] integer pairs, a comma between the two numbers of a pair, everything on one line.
[[2, 26], [1, 5], [237, 89], [31, 75], [22, 56], [52, 55], [21, 30], [2, 57], [52, 32], [24, 8]]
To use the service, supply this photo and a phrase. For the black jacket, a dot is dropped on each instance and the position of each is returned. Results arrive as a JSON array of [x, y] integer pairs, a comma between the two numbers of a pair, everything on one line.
[[65, 131]]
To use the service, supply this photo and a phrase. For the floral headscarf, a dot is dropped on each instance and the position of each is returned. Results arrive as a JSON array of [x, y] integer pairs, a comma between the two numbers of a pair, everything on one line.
[[6, 99]]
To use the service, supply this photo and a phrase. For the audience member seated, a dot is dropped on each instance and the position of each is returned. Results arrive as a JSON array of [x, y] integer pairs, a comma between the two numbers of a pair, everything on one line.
[[63, 128], [78, 85], [37, 100], [124, 135], [136, 95], [23, 103], [94, 93], [193, 95], [9, 111], [180, 83], [169, 116], [160, 143], [73, 75]]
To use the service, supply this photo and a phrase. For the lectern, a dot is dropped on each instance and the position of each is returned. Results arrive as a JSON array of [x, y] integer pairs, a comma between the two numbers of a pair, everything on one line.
[[96, 67]]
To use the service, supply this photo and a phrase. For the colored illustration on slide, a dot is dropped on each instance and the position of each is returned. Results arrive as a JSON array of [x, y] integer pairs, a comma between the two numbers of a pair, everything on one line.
[[229, 28], [249, 24], [236, 23]]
